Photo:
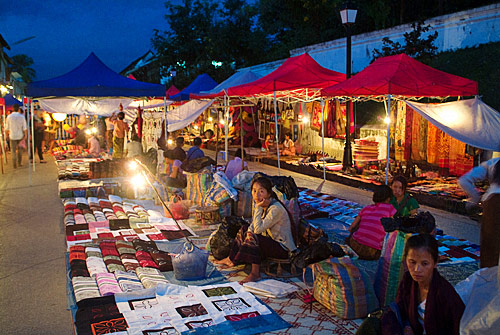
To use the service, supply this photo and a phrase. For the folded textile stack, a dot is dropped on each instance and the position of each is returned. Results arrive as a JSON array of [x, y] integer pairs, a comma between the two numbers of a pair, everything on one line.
[[128, 281], [129, 262], [150, 277], [145, 259], [85, 288], [107, 284], [162, 259], [96, 265]]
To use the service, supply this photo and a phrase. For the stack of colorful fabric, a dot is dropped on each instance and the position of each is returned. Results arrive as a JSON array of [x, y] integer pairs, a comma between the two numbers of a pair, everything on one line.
[[150, 277]]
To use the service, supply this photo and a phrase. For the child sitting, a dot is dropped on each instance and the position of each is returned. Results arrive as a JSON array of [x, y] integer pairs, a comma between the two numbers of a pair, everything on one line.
[[367, 233]]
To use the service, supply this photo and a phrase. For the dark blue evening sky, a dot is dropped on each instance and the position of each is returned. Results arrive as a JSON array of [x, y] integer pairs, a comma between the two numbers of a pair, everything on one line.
[[67, 31]]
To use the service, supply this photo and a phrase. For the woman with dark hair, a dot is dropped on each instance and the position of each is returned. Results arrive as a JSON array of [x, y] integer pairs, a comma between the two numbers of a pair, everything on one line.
[[367, 232], [428, 303], [175, 175], [404, 203], [288, 146], [269, 234]]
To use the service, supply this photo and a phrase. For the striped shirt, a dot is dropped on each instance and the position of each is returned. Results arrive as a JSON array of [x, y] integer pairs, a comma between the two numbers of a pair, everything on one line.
[[371, 232]]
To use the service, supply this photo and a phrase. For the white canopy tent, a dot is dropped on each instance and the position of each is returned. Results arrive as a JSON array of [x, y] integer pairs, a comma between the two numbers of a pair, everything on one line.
[[470, 121]]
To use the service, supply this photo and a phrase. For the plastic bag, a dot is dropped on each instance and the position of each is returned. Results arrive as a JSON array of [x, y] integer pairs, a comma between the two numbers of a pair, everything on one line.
[[221, 241], [317, 252], [190, 263], [179, 209], [481, 295]]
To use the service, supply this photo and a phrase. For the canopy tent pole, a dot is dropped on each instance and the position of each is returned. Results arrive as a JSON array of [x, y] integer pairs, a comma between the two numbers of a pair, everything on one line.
[[26, 107], [241, 139], [323, 135], [388, 138], [32, 108], [226, 126], [276, 127], [2, 137], [217, 142], [166, 121]]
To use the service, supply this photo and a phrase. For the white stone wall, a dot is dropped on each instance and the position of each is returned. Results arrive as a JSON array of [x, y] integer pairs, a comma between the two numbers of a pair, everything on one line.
[[455, 31]]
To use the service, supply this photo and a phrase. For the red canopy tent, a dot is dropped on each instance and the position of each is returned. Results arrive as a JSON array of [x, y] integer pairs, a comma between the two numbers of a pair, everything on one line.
[[401, 76], [299, 78], [172, 90]]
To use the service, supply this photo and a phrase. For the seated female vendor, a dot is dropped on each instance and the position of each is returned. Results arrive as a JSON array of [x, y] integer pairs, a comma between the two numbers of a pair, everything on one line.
[[428, 303], [367, 233], [175, 176], [404, 203], [269, 234]]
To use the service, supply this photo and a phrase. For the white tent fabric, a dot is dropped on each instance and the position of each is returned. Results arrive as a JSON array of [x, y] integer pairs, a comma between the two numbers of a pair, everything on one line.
[[79, 106], [184, 115], [150, 104], [238, 78], [470, 121]]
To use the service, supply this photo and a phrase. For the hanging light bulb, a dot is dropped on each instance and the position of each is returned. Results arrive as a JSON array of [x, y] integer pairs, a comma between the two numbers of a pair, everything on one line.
[[170, 141], [305, 119], [222, 121], [210, 119], [59, 117], [387, 120], [88, 131], [132, 165], [94, 130], [195, 126]]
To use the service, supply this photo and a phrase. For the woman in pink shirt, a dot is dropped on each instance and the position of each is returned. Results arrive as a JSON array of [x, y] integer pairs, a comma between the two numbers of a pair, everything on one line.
[[367, 233]]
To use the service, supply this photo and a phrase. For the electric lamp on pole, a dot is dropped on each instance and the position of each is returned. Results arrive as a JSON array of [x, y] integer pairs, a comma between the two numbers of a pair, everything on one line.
[[348, 16]]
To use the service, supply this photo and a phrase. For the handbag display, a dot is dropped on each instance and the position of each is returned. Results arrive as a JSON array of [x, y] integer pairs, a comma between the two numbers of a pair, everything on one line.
[[190, 263]]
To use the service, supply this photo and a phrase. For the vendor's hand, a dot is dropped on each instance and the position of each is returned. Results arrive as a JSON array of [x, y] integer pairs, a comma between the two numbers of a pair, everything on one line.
[[264, 203]]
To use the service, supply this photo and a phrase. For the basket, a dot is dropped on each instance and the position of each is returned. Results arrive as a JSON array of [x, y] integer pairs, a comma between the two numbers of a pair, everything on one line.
[[207, 215]]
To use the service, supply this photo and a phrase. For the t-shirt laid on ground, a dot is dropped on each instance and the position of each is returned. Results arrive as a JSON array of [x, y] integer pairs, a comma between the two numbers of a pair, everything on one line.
[[371, 232]]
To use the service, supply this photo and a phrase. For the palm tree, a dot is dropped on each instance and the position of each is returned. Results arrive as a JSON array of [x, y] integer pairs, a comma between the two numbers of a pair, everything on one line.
[[22, 65]]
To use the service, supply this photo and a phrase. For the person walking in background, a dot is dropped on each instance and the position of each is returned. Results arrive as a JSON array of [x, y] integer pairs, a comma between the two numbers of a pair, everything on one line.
[[235, 166], [109, 133], [16, 130], [195, 151], [490, 227], [39, 129], [119, 132]]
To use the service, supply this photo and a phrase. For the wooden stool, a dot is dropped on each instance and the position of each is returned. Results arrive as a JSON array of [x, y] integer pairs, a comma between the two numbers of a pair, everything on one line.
[[257, 159], [207, 215], [279, 268]]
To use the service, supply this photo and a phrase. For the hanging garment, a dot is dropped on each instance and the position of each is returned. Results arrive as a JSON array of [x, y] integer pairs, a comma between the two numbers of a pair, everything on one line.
[[316, 116], [340, 120], [399, 131], [432, 144], [330, 118], [444, 153]]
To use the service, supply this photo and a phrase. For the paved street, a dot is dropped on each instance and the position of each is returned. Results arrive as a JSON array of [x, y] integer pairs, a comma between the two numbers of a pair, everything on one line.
[[32, 245]]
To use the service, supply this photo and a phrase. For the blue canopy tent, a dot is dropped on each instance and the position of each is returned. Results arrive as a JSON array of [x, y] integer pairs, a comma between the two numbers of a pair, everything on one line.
[[202, 83], [238, 78], [93, 78], [10, 101]]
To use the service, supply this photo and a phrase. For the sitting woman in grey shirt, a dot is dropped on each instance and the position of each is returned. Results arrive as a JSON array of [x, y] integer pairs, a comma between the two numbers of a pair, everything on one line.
[[269, 234]]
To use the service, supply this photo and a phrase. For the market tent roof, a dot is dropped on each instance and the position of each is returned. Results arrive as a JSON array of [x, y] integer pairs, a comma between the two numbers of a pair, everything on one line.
[[299, 75], [202, 83], [186, 114], [238, 78], [93, 78], [172, 90], [9, 100], [401, 75], [470, 121]]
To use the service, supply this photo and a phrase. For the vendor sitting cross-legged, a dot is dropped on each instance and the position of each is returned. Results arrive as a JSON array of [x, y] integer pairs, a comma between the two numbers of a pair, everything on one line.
[[175, 176], [269, 234]]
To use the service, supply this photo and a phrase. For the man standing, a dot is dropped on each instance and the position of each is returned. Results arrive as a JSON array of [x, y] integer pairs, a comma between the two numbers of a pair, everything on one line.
[[119, 132], [16, 131]]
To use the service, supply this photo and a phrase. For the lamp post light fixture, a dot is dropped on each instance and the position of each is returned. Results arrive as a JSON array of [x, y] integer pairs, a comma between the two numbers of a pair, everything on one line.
[[348, 16]]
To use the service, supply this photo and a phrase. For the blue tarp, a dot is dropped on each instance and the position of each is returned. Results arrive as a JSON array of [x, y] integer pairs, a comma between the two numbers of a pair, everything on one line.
[[238, 78], [202, 83], [93, 78]]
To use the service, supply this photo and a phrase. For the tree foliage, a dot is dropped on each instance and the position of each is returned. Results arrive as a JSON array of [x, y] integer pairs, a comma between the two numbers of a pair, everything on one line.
[[240, 33], [22, 65], [416, 46]]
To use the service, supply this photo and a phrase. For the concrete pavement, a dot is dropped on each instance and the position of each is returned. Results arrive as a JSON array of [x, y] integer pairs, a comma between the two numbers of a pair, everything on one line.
[[32, 246]]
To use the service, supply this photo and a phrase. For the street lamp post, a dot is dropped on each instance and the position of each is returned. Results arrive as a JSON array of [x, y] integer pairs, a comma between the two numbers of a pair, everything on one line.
[[348, 16]]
